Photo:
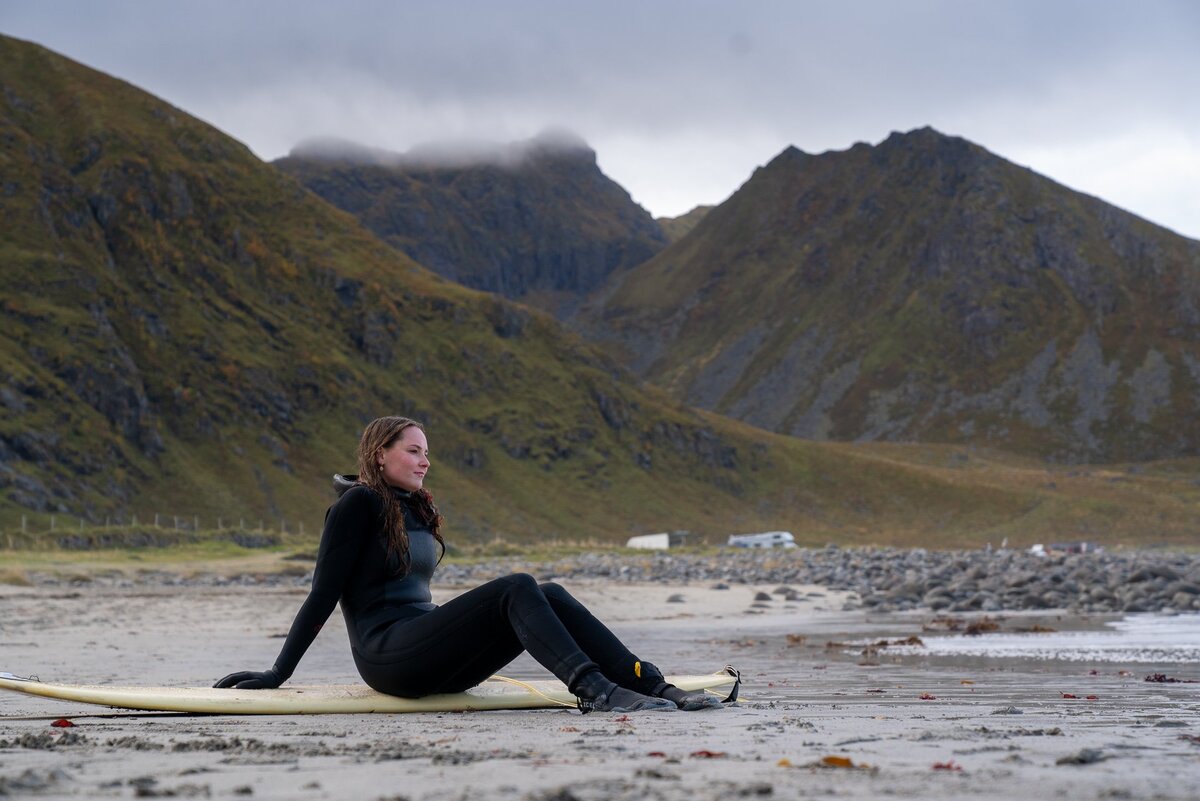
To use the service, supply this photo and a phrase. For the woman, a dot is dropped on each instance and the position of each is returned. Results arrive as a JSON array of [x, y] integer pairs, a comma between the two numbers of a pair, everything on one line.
[[381, 543]]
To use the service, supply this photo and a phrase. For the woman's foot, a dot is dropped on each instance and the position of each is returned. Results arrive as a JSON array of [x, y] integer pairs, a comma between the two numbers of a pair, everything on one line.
[[688, 701], [650, 680], [598, 694]]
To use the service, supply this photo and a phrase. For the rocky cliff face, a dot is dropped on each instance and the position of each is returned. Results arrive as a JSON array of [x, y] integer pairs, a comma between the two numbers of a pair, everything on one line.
[[534, 220], [923, 289]]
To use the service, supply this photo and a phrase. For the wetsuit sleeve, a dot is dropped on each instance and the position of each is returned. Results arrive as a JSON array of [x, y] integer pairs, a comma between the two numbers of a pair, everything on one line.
[[348, 525]]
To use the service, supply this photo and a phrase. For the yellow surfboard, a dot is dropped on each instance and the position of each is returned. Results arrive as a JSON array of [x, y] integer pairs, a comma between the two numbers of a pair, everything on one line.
[[495, 693]]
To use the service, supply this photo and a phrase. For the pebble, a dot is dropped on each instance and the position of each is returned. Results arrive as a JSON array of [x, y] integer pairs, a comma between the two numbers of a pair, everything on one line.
[[32, 781], [1084, 756]]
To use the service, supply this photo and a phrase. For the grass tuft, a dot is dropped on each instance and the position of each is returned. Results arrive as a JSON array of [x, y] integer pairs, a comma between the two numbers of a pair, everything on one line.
[[14, 578]]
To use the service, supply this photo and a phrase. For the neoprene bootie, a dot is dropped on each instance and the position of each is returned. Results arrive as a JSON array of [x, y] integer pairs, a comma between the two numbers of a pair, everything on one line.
[[597, 694], [652, 679]]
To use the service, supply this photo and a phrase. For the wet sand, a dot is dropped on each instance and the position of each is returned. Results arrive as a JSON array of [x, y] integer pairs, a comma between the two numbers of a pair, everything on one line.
[[998, 729]]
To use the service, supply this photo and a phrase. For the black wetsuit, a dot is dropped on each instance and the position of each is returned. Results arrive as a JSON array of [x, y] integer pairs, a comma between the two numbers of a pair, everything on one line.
[[403, 644]]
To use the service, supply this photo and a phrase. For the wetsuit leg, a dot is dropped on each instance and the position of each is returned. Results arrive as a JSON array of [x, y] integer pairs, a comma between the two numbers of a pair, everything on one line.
[[461, 643], [616, 661]]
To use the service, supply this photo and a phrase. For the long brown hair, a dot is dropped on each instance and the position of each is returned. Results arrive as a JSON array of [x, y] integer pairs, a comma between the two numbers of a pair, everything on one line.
[[379, 434]]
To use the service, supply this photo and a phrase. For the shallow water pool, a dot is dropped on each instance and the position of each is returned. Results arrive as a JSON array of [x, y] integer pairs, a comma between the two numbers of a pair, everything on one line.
[[1148, 638]]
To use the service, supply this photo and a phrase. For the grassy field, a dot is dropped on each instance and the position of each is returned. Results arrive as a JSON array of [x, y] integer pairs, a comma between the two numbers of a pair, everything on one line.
[[849, 494], [1154, 505], [213, 553], [1150, 504]]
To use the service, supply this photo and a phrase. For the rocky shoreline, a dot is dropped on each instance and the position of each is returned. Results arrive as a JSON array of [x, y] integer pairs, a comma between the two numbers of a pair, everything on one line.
[[896, 580], [881, 579]]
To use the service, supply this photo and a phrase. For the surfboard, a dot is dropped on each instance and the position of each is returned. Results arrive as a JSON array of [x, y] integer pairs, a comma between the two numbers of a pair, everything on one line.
[[495, 693]]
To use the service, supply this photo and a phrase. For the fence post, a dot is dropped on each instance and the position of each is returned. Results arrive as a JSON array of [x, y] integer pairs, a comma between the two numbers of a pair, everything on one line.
[[52, 522], [282, 526], [23, 524], [195, 522], [135, 520], [156, 519]]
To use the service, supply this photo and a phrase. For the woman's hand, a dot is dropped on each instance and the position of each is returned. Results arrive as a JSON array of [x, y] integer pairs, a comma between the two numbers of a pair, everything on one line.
[[251, 680]]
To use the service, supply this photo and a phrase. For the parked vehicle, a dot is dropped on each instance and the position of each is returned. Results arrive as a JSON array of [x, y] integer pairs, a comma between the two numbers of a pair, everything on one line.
[[1065, 547], [767, 539]]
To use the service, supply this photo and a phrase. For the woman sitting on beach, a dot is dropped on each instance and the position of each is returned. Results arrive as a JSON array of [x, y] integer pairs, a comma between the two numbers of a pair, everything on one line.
[[377, 555]]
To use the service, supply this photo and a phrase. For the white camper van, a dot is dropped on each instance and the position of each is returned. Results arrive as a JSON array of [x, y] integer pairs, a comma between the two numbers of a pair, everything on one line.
[[767, 539]]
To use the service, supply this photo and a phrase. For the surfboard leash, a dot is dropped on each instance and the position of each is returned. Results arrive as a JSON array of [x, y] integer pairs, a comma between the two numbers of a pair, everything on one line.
[[730, 670], [530, 688]]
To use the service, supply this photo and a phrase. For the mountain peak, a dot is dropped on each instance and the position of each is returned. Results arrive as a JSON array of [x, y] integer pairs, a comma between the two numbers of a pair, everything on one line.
[[789, 154], [925, 288], [536, 216], [560, 140], [929, 141], [332, 148], [923, 139], [926, 133]]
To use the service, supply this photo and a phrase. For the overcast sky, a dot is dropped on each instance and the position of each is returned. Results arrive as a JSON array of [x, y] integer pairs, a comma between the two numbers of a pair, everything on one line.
[[680, 100]]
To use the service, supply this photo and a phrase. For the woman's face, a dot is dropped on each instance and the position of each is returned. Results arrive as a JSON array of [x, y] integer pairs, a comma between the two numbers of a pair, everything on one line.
[[406, 461]]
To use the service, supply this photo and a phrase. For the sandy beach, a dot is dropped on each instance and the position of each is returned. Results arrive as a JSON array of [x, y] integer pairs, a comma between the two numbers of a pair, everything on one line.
[[825, 710]]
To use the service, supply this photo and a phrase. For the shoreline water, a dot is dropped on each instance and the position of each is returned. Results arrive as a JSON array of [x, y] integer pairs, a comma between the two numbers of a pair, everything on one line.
[[1143, 638]]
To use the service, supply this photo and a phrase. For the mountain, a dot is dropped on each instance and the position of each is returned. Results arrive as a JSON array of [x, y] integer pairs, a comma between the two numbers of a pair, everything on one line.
[[534, 220], [923, 289], [186, 330], [676, 227]]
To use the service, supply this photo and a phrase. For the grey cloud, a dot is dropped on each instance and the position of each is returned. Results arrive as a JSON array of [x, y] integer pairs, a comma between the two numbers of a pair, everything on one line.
[[446, 152]]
